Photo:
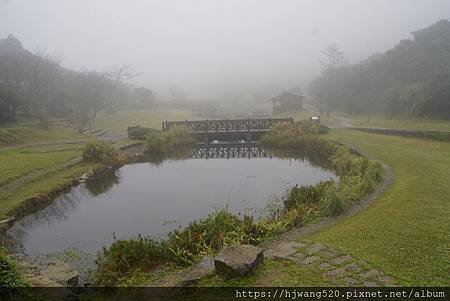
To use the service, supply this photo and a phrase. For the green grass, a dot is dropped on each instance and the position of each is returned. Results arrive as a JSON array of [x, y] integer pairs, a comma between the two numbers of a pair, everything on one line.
[[402, 123], [330, 121], [16, 163], [119, 121], [11, 200], [404, 232], [271, 273], [32, 133]]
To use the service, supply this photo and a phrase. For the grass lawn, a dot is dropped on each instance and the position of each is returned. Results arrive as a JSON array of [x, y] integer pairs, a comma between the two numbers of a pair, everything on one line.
[[19, 162], [13, 199], [402, 123], [331, 121], [119, 121], [405, 233], [34, 133]]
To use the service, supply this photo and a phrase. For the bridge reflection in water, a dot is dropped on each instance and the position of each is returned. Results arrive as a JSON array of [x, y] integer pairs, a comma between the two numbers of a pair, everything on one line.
[[227, 150]]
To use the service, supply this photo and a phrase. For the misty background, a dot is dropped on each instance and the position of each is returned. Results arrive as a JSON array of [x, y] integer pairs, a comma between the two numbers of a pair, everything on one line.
[[214, 48]]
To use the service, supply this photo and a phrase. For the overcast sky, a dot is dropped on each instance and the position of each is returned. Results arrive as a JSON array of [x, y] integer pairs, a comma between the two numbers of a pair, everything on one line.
[[203, 44]]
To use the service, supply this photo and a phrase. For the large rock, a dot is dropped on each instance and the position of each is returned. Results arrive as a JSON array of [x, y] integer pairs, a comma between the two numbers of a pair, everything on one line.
[[238, 260], [60, 272]]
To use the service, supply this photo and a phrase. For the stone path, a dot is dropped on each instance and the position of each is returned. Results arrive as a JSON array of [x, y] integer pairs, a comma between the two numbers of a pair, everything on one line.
[[340, 268]]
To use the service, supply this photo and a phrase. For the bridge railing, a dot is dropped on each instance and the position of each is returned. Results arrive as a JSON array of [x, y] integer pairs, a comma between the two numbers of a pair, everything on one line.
[[226, 125]]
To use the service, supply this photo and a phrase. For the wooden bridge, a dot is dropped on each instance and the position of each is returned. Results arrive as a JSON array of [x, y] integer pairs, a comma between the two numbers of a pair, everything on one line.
[[227, 129]]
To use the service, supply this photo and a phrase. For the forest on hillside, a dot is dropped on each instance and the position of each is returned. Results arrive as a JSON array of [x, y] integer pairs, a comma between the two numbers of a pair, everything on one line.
[[35, 85], [412, 79]]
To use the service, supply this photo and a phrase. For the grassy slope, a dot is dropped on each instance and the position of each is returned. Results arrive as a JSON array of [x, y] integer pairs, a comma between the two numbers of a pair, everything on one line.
[[33, 133], [402, 123], [13, 199], [20, 162], [405, 232], [119, 121]]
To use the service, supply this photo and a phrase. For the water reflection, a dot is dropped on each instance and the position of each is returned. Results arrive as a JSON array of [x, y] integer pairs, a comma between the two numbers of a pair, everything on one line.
[[103, 182]]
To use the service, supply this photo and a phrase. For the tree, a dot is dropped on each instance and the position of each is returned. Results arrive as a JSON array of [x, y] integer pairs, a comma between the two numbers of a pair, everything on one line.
[[120, 75], [411, 79], [333, 58]]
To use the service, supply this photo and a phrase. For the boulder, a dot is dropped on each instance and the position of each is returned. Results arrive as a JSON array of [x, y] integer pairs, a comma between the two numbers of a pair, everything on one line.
[[60, 272], [238, 260]]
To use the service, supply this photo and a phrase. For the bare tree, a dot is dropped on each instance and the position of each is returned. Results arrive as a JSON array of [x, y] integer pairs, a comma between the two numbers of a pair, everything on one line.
[[120, 75], [333, 58]]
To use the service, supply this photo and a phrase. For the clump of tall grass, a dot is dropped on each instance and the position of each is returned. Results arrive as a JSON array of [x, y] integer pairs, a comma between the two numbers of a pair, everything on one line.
[[10, 276], [184, 247], [332, 202]]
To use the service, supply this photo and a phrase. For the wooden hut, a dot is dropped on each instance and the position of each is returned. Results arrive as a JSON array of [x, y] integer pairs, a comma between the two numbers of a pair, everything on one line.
[[287, 101]]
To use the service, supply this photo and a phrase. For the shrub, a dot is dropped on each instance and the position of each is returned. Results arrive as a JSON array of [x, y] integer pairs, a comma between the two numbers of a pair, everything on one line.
[[101, 152], [165, 142], [139, 133]]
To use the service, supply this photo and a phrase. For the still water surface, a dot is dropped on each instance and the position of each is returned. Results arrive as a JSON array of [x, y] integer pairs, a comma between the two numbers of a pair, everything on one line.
[[152, 199]]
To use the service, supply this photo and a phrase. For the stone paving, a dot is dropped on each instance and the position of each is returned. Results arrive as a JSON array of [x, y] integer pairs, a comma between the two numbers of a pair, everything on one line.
[[341, 269]]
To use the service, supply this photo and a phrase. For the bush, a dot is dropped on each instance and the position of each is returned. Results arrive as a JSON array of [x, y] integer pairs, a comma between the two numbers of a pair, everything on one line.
[[139, 133], [101, 152], [165, 142], [303, 137]]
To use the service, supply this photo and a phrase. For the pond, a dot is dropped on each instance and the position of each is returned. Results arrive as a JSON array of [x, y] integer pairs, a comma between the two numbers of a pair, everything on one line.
[[154, 198]]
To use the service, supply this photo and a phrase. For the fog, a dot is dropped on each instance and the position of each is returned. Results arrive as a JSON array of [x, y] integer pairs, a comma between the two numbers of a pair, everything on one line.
[[211, 47]]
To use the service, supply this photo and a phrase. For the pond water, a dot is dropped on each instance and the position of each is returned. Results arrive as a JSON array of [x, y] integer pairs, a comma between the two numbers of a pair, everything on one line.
[[154, 198]]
